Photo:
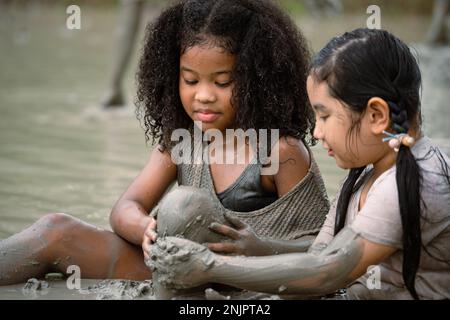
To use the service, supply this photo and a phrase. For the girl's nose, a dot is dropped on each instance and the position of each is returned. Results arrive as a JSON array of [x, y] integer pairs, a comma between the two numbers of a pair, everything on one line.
[[318, 132], [205, 94]]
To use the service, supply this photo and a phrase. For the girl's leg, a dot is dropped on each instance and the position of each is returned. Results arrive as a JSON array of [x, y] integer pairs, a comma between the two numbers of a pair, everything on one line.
[[57, 241]]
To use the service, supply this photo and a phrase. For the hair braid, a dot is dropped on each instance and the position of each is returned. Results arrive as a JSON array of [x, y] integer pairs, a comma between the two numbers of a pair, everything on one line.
[[408, 189]]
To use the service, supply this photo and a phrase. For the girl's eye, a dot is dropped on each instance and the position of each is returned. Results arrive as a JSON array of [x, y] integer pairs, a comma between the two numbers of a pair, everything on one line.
[[223, 84], [190, 82], [323, 118]]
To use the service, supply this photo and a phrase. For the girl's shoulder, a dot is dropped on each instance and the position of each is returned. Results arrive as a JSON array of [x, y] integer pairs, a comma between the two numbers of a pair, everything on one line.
[[431, 160], [292, 154], [434, 167], [292, 148], [429, 155], [435, 181], [291, 160]]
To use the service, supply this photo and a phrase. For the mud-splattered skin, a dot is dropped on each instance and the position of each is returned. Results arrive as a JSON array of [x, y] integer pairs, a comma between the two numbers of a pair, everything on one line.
[[181, 263], [179, 260], [189, 213]]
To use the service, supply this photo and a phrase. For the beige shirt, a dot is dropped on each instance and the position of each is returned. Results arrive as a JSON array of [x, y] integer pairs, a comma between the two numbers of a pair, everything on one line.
[[379, 221]]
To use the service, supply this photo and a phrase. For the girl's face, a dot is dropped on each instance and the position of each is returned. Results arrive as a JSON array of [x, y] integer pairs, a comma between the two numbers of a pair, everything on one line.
[[333, 123], [206, 86]]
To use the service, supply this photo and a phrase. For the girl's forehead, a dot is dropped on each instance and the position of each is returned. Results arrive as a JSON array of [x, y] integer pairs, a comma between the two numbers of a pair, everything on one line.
[[321, 99], [207, 56], [317, 89]]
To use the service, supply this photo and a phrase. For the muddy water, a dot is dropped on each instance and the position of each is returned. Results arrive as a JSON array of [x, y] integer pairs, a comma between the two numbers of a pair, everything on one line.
[[60, 153]]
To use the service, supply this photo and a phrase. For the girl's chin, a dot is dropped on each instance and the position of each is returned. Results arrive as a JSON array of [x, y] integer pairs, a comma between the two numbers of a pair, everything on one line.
[[208, 126], [342, 164], [346, 165]]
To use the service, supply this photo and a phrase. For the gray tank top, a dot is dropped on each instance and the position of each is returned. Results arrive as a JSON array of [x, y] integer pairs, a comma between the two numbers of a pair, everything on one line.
[[246, 193], [299, 212]]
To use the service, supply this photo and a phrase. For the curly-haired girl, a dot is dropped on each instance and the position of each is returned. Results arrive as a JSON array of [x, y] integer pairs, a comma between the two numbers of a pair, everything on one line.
[[225, 64]]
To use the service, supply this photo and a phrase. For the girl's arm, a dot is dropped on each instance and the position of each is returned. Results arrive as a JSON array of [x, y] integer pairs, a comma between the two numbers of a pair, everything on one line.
[[346, 258], [129, 216], [302, 244], [246, 242]]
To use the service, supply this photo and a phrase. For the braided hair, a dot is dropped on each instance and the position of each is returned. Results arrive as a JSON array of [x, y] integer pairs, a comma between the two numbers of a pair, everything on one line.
[[363, 64], [408, 178]]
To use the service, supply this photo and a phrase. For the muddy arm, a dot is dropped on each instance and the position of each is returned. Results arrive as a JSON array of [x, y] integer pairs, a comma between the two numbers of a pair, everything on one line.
[[289, 246], [182, 263], [242, 240], [309, 274]]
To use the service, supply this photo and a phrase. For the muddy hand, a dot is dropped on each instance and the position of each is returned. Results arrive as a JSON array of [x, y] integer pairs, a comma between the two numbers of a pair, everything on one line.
[[244, 240], [180, 263]]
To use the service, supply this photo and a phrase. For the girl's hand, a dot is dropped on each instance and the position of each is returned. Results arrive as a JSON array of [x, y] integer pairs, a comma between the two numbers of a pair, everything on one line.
[[245, 241], [149, 237], [180, 263]]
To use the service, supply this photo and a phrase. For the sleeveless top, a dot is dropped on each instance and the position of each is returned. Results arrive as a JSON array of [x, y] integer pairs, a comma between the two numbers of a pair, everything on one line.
[[246, 193], [299, 212]]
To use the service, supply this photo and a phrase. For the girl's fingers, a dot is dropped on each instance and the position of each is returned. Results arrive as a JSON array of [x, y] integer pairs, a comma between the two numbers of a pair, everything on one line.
[[225, 230], [235, 221], [226, 247], [152, 224], [151, 234], [146, 247], [150, 231]]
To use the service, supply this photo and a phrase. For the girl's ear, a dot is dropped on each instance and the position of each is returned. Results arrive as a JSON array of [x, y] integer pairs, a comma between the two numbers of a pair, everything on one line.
[[378, 114]]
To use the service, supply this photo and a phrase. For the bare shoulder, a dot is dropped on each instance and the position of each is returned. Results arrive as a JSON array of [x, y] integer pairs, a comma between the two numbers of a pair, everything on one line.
[[294, 162], [294, 150]]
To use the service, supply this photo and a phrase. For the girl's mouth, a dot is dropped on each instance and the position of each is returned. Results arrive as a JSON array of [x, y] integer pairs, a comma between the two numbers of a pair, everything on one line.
[[207, 116], [330, 153], [329, 150]]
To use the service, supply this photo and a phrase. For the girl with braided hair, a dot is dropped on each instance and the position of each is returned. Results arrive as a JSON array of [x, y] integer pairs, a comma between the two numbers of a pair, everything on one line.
[[393, 210]]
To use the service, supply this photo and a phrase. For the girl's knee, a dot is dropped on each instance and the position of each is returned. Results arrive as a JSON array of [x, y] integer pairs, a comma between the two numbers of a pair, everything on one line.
[[54, 219], [54, 226]]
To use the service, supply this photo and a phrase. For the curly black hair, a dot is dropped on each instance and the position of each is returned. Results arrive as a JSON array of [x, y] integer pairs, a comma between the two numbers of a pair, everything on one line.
[[272, 63]]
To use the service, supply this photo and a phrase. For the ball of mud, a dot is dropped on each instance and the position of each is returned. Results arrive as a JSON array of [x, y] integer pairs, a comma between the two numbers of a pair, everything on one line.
[[187, 211]]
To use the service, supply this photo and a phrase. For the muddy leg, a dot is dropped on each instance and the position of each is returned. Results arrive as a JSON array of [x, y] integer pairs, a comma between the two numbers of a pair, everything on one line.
[[128, 30], [57, 241], [437, 33], [186, 211]]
